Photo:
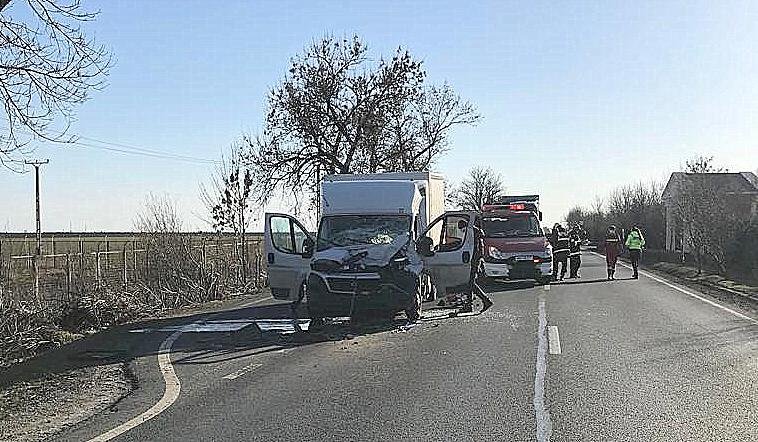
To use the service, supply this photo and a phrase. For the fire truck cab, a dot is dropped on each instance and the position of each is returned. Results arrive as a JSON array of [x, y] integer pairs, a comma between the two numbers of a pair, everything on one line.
[[515, 245]]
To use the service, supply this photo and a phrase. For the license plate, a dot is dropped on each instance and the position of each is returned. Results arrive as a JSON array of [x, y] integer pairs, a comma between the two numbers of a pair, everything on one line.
[[523, 258]]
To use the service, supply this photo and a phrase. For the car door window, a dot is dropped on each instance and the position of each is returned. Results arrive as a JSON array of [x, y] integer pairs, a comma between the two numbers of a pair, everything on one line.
[[287, 235], [453, 233], [448, 233], [281, 234]]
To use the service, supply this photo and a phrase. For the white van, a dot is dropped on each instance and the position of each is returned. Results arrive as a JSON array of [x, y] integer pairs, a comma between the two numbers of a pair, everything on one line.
[[375, 249]]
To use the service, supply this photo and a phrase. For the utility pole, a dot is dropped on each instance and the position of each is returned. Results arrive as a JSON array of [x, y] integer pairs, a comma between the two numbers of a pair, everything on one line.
[[38, 251]]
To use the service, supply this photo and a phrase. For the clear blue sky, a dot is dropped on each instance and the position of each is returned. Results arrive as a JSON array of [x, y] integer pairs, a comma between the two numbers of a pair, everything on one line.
[[576, 97]]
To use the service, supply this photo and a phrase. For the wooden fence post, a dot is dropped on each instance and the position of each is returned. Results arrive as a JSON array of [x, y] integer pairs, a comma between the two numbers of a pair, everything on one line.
[[147, 263], [68, 277], [202, 260], [81, 267], [97, 266], [134, 259], [123, 262]]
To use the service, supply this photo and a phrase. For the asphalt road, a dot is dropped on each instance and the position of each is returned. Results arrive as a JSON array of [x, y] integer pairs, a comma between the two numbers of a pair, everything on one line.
[[638, 360]]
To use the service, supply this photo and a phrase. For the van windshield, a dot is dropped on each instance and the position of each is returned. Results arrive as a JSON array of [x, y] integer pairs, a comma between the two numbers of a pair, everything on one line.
[[511, 226], [350, 230]]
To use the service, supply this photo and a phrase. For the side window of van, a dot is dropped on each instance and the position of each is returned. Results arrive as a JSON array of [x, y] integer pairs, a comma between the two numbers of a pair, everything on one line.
[[448, 233], [286, 235]]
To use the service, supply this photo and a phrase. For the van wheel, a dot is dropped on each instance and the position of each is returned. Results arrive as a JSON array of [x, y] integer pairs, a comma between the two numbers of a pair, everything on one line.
[[413, 312]]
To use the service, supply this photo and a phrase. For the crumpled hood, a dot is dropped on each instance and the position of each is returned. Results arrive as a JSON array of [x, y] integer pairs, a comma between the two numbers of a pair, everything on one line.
[[376, 254], [534, 244]]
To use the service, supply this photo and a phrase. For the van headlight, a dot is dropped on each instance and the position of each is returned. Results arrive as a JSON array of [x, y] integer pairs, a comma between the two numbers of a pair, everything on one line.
[[497, 254]]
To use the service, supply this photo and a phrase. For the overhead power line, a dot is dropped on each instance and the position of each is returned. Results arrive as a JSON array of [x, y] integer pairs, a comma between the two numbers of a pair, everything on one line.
[[122, 148]]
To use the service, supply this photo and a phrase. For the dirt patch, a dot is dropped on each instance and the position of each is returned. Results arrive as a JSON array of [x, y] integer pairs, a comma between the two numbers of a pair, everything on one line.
[[35, 410]]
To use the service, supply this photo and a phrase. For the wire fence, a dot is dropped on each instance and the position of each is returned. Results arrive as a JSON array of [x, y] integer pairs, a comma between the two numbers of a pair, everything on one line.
[[71, 268]]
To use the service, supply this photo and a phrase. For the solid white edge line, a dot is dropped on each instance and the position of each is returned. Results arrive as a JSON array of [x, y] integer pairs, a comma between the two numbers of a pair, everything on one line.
[[689, 293], [541, 413], [170, 394], [173, 386], [554, 340]]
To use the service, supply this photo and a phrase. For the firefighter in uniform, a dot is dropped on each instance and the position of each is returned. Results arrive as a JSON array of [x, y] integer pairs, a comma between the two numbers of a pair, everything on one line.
[[560, 251], [612, 250], [575, 252]]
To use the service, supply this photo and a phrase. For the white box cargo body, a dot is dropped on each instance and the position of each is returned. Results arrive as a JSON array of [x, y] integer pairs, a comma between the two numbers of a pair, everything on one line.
[[430, 185]]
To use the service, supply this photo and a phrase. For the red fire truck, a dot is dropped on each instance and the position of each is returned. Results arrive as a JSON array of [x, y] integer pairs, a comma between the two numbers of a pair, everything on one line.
[[515, 245]]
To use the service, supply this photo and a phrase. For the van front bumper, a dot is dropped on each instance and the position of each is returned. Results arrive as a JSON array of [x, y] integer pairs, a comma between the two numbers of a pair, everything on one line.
[[519, 270], [345, 296]]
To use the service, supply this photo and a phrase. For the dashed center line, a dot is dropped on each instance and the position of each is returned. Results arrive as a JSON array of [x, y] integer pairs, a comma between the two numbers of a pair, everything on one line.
[[541, 413], [554, 340]]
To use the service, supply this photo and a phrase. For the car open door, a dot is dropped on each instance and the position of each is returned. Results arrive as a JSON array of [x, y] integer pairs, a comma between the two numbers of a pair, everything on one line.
[[283, 244], [450, 248]]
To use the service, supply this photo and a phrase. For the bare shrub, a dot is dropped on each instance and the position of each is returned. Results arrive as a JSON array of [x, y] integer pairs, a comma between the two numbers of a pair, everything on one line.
[[175, 272]]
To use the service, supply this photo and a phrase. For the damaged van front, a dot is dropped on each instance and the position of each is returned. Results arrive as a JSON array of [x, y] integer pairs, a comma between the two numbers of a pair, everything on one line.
[[364, 265], [374, 254]]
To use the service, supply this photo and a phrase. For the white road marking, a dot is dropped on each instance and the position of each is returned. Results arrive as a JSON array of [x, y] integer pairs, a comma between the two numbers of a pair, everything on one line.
[[546, 287], [541, 413], [554, 339], [242, 371], [282, 325], [689, 293], [220, 326], [170, 394], [173, 386]]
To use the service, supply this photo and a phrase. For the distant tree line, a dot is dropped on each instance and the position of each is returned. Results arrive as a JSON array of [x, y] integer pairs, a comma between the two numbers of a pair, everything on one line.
[[712, 233], [626, 206]]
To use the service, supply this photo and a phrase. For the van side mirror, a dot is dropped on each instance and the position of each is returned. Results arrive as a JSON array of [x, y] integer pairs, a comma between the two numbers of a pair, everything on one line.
[[308, 247], [424, 246], [540, 215]]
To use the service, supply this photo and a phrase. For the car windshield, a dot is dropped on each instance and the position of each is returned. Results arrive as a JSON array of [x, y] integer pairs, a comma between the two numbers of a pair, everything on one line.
[[510, 226], [349, 230]]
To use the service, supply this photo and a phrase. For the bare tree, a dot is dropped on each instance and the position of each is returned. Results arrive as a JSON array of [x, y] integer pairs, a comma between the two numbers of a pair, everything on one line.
[[337, 111], [702, 213], [228, 199], [47, 66], [482, 185], [703, 164], [628, 205]]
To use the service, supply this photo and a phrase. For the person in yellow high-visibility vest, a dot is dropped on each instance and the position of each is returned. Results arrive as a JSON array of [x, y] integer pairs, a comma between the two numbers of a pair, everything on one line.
[[635, 242]]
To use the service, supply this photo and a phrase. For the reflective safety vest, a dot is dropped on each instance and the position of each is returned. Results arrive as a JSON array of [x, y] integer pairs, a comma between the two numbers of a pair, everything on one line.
[[635, 241]]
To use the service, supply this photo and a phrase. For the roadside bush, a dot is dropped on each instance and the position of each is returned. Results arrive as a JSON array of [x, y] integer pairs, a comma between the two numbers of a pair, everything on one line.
[[25, 328], [742, 253]]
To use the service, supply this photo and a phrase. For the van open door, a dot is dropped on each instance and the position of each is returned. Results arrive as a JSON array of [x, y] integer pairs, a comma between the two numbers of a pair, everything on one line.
[[447, 248], [284, 243]]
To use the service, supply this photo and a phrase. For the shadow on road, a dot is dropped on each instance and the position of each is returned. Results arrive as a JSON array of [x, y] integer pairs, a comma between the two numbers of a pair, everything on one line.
[[581, 281], [504, 285], [207, 338]]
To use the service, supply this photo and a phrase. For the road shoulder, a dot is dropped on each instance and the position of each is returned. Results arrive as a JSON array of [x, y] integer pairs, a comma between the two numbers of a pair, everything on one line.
[[45, 395]]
